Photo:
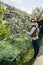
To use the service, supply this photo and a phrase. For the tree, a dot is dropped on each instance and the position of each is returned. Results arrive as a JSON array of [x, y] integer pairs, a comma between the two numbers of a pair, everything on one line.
[[37, 13], [4, 26]]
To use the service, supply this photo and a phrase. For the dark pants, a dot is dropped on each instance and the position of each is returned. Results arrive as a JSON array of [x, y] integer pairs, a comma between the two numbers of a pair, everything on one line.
[[36, 47]]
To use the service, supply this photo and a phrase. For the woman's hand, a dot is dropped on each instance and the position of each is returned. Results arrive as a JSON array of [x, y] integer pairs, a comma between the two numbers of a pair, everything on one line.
[[24, 30]]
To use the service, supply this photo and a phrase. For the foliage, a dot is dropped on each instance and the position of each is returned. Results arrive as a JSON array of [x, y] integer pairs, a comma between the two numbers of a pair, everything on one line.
[[14, 46], [4, 27], [37, 13]]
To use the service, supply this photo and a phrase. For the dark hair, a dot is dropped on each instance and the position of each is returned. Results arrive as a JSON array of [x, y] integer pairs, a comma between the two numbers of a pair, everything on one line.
[[33, 19], [40, 22]]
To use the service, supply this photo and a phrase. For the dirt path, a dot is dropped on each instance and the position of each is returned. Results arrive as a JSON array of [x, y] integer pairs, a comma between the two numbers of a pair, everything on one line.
[[39, 59]]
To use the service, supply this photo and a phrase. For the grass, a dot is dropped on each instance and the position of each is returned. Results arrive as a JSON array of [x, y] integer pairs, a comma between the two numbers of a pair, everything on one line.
[[25, 61], [14, 46], [28, 57]]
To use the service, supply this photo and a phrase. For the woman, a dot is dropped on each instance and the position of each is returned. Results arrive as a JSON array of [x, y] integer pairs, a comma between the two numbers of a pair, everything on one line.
[[34, 36]]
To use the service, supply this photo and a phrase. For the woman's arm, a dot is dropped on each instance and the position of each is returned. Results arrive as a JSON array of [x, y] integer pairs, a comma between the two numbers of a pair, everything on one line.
[[31, 32]]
